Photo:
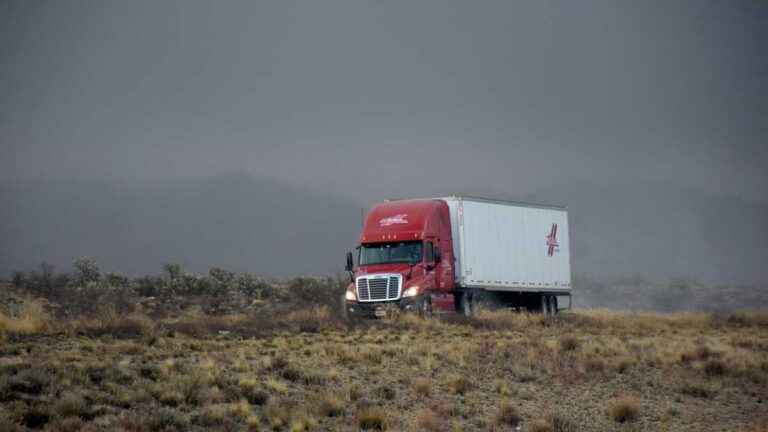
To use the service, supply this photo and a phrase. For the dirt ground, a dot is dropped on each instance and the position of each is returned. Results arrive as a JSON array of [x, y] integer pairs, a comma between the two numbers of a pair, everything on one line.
[[580, 371]]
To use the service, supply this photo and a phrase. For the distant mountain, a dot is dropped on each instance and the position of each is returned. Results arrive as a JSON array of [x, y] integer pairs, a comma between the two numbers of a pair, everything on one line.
[[237, 222]]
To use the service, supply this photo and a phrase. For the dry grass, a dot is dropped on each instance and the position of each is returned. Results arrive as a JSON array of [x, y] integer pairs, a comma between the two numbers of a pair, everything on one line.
[[508, 414], [428, 420], [692, 372], [31, 318], [422, 386], [330, 405], [372, 418], [539, 425], [459, 384], [624, 409]]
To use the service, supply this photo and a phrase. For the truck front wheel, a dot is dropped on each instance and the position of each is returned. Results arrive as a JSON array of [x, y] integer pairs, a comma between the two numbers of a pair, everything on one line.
[[425, 306]]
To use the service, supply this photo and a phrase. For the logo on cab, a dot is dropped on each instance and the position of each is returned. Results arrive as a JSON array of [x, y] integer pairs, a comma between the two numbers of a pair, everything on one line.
[[393, 220]]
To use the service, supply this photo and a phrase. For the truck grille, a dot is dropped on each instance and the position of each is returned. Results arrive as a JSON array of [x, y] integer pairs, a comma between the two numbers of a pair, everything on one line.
[[378, 287]]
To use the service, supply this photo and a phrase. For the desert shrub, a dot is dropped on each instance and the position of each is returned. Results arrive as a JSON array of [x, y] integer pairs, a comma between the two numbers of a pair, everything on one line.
[[213, 415], [109, 322], [291, 373], [70, 405], [759, 426], [325, 291], [624, 409], [194, 388], [276, 386], [36, 416], [118, 280], [313, 377], [507, 414], [223, 280], [19, 279], [163, 419], [278, 414], [539, 425], [43, 282], [69, 424], [86, 271], [30, 317], [696, 390], [594, 364], [422, 386], [255, 396], [330, 406], [568, 343], [311, 320], [149, 371], [240, 409], [174, 271], [303, 423], [561, 423], [428, 420], [700, 353], [458, 384], [623, 364], [372, 418], [148, 286], [355, 392], [31, 381], [748, 319], [252, 286], [715, 367], [385, 392]]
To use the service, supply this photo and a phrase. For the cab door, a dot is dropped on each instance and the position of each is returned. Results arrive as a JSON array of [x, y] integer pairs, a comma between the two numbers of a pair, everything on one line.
[[431, 277]]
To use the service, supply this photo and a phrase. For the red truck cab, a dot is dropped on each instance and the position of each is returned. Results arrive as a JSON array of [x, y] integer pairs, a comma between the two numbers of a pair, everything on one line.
[[405, 258]]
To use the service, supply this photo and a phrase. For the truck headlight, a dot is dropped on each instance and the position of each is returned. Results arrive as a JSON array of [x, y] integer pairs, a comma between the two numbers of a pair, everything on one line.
[[350, 296], [412, 291]]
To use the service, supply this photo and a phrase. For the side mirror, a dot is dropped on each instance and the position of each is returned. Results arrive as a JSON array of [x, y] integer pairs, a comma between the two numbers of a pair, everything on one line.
[[438, 256], [350, 263]]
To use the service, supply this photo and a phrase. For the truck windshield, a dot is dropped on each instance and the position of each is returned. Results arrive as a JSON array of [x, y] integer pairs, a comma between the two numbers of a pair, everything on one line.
[[396, 252]]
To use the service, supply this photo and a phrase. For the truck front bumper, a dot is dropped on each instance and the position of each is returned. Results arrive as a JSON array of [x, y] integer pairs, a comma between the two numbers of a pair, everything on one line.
[[379, 309]]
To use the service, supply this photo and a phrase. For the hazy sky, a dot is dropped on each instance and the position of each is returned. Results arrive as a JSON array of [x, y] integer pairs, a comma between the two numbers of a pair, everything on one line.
[[367, 99], [333, 91]]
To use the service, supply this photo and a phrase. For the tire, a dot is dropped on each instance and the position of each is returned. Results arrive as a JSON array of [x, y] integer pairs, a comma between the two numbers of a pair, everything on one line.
[[465, 304], [425, 307]]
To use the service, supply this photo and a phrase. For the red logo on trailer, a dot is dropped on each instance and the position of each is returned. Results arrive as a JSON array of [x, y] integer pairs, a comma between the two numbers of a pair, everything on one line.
[[552, 245]]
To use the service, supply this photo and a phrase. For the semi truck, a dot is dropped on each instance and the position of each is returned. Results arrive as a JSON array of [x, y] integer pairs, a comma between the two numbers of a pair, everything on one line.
[[455, 253]]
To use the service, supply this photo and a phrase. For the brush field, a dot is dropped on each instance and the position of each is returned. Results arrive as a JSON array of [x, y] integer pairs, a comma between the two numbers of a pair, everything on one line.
[[308, 370]]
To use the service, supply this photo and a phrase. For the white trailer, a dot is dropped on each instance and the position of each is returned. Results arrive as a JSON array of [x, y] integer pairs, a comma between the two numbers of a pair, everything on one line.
[[516, 251]]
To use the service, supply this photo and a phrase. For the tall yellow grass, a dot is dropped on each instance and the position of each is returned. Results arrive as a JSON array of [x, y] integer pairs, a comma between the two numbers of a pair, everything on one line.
[[32, 318]]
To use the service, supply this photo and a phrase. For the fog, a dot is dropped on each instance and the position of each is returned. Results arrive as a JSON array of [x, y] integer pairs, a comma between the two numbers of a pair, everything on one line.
[[249, 135]]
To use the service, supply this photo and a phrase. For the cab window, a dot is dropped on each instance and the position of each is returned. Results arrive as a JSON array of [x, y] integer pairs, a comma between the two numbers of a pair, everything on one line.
[[429, 252]]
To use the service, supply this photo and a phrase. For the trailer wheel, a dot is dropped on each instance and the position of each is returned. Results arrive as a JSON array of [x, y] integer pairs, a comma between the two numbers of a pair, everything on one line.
[[465, 304], [545, 305]]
